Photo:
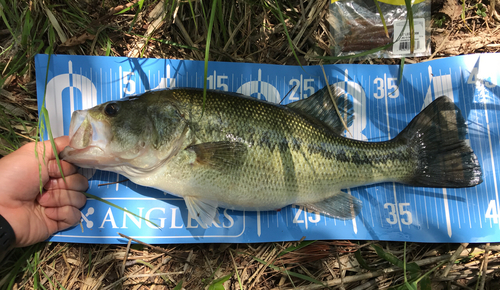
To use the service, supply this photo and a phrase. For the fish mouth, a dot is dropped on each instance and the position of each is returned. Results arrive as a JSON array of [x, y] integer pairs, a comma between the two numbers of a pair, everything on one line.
[[88, 139], [89, 157], [85, 131], [90, 146]]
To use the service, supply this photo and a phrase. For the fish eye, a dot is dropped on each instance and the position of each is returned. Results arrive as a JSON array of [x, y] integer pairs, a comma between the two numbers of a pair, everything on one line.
[[111, 109]]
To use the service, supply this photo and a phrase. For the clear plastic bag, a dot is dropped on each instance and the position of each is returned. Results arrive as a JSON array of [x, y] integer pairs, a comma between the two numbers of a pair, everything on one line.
[[357, 27]]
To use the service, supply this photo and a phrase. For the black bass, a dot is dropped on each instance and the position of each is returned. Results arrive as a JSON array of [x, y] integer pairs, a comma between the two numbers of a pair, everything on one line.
[[240, 153]]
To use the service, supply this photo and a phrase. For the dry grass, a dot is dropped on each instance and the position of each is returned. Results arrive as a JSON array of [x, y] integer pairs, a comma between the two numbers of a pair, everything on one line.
[[244, 31], [259, 266]]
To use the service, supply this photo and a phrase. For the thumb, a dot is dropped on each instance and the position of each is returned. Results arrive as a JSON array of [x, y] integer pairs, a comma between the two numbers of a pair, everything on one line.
[[45, 148]]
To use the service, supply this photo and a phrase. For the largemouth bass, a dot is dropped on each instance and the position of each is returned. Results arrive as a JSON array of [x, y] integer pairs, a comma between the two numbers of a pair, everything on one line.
[[237, 152]]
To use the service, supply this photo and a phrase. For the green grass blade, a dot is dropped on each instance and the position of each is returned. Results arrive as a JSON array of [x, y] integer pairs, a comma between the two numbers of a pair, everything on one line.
[[126, 9], [90, 262], [361, 261], [409, 16], [284, 271], [462, 15], [425, 283], [40, 128], [108, 47], [17, 267], [404, 263], [164, 277], [179, 285], [290, 42], [207, 51], [6, 21], [412, 267], [48, 279], [193, 15], [297, 275], [36, 277], [401, 67], [168, 42], [11, 138], [382, 18], [172, 7], [236, 270], [51, 138], [411, 286], [430, 271], [7, 48], [89, 195], [400, 78], [218, 284], [297, 247], [25, 36], [55, 24], [44, 119], [220, 16], [45, 116], [204, 14], [64, 248], [140, 3], [60, 285]]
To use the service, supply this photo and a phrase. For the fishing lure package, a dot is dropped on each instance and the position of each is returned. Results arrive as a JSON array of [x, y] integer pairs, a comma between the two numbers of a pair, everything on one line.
[[357, 27]]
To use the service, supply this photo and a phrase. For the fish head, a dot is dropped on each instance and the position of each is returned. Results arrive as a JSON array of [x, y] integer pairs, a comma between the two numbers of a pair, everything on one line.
[[130, 136]]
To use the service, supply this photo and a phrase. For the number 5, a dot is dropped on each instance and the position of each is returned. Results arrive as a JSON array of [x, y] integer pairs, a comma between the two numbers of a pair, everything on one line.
[[392, 86], [222, 85], [408, 221], [128, 82]]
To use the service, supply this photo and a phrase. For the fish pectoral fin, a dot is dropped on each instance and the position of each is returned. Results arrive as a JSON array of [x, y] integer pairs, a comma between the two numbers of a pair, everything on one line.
[[219, 155], [341, 206], [202, 210], [320, 106]]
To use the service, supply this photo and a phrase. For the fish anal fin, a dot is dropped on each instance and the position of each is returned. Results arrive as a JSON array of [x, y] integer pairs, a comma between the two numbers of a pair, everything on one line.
[[320, 107], [220, 154], [205, 212], [341, 206]]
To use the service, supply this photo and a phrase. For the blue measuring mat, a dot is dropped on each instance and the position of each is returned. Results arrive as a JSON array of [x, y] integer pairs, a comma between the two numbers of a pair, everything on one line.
[[383, 106]]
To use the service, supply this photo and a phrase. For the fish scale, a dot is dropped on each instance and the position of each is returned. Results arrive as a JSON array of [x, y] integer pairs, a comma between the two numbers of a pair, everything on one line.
[[343, 169]]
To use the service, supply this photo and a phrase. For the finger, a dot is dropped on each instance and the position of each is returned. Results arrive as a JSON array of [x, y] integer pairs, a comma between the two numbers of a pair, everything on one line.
[[22, 169], [45, 148], [67, 168], [66, 216], [76, 182], [61, 143], [62, 197]]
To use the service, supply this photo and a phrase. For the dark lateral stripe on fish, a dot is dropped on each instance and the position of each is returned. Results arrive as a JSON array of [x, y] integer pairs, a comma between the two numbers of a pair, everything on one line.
[[351, 155]]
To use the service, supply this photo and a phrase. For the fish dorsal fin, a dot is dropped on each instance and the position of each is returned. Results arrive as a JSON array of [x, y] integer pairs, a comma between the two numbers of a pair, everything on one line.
[[341, 206], [320, 107], [203, 211], [219, 155]]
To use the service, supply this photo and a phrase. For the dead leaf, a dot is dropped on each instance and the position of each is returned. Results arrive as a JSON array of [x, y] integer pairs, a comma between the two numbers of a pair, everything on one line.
[[452, 9], [13, 110], [77, 40]]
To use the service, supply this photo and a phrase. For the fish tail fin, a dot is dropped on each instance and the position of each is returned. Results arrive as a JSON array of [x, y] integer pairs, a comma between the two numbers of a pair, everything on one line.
[[437, 138]]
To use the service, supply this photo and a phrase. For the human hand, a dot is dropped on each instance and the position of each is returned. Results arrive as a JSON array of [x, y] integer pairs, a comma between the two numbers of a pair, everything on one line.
[[34, 217]]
